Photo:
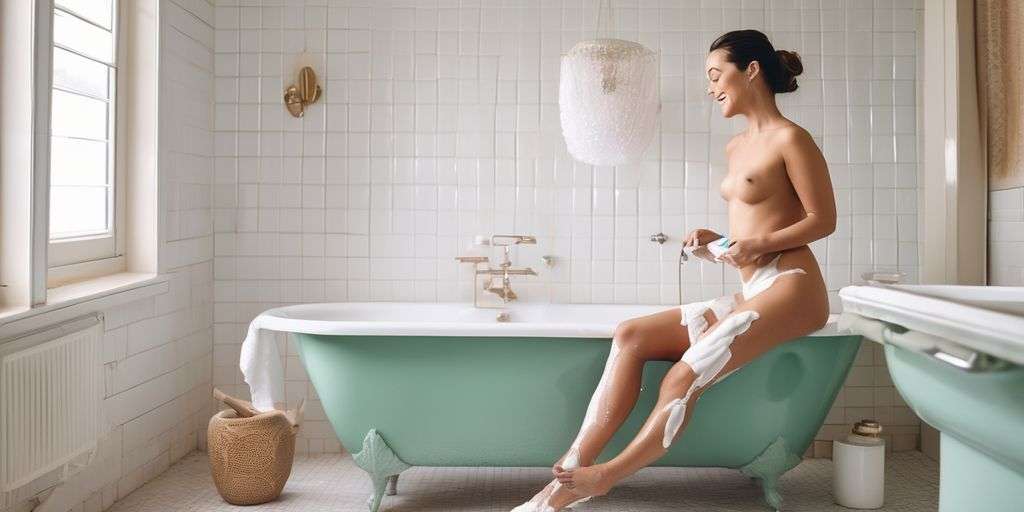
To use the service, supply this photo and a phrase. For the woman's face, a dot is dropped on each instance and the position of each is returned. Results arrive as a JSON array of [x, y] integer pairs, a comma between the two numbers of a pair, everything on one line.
[[727, 85]]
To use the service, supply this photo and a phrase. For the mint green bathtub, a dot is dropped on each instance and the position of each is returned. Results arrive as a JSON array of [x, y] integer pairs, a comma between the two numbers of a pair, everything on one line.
[[499, 400]]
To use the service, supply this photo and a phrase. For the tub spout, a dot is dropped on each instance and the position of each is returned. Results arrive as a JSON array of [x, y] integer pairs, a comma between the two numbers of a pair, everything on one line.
[[504, 289]]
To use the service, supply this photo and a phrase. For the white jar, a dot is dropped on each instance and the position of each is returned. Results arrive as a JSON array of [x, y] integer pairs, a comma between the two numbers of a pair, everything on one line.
[[858, 462]]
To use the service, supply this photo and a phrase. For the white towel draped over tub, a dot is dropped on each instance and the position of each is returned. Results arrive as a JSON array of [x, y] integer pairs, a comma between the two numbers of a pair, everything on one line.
[[261, 365], [260, 360]]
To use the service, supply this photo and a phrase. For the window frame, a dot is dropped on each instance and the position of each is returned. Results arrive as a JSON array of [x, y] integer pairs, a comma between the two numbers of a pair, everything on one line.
[[26, 51], [74, 259]]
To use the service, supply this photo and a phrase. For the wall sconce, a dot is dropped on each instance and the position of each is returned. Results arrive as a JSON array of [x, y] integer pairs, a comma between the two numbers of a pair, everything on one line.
[[305, 92]]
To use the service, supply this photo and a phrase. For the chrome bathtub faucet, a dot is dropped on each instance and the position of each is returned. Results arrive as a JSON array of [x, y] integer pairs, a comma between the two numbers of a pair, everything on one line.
[[499, 280]]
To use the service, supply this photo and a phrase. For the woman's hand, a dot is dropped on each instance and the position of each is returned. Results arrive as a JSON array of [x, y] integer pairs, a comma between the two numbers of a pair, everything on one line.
[[698, 239], [745, 252], [700, 236]]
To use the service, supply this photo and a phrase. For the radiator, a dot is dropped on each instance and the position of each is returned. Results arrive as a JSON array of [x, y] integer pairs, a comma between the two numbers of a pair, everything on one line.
[[51, 391]]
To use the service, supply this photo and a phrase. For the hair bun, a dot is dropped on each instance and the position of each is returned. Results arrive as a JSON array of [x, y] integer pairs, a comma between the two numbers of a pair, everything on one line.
[[742, 47], [791, 67]]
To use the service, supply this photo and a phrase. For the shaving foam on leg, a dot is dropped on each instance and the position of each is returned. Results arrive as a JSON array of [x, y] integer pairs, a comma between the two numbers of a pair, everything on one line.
[[693, 314], [531, 506], [540, 503], [706, 357], [693, 318], [597, 401]]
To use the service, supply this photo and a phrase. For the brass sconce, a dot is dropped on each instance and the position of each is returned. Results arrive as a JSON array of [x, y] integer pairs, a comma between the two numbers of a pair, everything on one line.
[[305, 92]]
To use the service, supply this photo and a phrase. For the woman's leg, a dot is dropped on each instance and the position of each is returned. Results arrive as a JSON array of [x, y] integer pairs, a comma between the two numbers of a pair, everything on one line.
[[653, 337], [792, 307], [656, 337]]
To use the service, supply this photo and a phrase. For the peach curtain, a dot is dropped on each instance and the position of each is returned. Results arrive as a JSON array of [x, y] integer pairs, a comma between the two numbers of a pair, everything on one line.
[[999, 31]]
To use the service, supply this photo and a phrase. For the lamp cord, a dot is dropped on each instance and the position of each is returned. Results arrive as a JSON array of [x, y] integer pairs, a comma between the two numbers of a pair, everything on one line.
[[609, 21]]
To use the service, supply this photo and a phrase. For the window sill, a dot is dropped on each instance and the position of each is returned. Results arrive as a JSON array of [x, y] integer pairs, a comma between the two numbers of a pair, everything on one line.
[[76, 273], [81, 298]]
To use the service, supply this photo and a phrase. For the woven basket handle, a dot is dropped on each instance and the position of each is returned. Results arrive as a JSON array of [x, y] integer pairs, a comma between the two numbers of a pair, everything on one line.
[[243, 408], [295, 415]]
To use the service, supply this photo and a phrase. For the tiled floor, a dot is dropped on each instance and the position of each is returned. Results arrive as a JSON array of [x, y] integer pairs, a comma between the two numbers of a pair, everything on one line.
[[333, 483]]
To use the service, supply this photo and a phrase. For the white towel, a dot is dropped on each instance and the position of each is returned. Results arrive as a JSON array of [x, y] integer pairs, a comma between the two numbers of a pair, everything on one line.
[[261, 365], [260, 360]]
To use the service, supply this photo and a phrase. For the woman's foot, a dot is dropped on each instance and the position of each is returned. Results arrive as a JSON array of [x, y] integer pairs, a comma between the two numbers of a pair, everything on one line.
[[571, 460], [552, 498], [594, 480]]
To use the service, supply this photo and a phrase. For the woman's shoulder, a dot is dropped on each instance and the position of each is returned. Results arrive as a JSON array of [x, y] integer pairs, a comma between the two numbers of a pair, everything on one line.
[[783, 140], [787, 132], [792, 138], [792, 132]]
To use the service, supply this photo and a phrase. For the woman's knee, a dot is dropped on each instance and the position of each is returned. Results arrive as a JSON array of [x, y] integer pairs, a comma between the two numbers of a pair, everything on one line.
[[635, 338], [678, 379], [652, 337], [628, 334]]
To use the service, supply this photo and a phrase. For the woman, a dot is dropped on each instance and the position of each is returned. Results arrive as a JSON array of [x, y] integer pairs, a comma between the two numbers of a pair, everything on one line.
[[780, 200]]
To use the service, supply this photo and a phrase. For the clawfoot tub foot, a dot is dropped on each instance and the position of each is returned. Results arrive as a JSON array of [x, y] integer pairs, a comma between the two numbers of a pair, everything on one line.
[[377, 459], [768, 467]]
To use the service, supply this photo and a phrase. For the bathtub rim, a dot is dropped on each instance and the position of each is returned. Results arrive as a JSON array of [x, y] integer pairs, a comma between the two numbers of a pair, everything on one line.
[[288, 319]]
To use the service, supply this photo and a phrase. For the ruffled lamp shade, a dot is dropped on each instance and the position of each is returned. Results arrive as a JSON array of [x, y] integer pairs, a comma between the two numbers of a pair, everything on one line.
[[608, 101]]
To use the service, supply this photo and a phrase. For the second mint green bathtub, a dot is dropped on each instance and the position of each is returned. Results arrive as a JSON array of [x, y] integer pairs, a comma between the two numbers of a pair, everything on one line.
[[449, 386]]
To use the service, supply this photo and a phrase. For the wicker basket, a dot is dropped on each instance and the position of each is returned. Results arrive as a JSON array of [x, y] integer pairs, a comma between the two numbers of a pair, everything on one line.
[[251, 458]]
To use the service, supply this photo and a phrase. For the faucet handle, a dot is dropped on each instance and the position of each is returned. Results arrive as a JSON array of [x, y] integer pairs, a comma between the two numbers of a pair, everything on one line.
[[513, 239], [472, 259]]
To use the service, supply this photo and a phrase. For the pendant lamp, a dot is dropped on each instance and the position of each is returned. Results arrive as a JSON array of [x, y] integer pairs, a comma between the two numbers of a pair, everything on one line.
[[608, 100]]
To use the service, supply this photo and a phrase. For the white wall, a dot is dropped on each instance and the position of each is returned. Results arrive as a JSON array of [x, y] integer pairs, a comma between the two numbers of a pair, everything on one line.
[[1006, 237], [158, 351], [439, 121]]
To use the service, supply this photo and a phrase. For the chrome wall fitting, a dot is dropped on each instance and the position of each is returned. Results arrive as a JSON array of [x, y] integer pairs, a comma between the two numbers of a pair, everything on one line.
[[303, 93], [661, 238]]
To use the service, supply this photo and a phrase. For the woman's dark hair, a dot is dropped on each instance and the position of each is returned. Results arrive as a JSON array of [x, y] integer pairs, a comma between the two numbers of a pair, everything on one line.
[[780, 67]]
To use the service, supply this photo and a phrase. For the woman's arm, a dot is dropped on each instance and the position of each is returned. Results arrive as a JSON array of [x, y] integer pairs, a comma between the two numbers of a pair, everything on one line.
[[809, 174]]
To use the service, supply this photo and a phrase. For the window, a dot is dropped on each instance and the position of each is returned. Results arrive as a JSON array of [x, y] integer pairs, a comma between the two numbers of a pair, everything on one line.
[[83, 227], [80, 150]]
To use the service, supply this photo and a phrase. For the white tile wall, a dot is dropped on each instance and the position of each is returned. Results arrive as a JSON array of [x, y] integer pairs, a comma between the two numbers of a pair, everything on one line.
[[158, 352], [1006, 237], [439, 121]]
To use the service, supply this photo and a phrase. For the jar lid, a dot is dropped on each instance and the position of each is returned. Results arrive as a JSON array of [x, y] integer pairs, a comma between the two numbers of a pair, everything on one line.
[[867, 428]]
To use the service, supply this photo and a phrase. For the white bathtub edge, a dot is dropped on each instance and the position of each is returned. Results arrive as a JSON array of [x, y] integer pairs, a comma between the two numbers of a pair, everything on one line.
[[289, 319]]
